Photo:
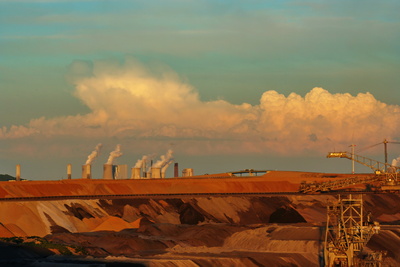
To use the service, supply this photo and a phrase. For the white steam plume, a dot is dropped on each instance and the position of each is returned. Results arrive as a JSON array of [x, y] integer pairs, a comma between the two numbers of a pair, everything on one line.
[[164, 159], [114, 154], [94, 154], [395, 162], [140, 162], [166, 165]]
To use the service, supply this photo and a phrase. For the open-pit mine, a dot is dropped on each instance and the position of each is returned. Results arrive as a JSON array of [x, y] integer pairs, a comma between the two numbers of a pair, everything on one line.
[[243, 218]]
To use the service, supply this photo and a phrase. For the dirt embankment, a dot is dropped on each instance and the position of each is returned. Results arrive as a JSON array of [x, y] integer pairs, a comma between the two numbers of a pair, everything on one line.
[[272, 181]]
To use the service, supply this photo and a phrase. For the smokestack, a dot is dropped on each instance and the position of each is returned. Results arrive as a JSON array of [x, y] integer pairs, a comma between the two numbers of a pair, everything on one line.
[[108, 171], [176, 170], [144, 169], [136, 173], [87, 171], [121, 172], [140, 165], [155, 172], [18, 172], [162, 164], [164, 168], [69, 171], [187, 172]]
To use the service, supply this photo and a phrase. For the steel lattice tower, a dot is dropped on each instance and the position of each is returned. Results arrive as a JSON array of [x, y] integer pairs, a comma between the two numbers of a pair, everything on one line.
[[347, 233]]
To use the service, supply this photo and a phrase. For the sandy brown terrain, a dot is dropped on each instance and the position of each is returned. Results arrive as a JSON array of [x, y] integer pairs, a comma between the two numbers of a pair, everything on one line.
[[259, 230], [201, 231]]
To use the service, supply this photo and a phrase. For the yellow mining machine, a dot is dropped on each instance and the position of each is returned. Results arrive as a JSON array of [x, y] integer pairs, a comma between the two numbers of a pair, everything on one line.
[[348, 230]]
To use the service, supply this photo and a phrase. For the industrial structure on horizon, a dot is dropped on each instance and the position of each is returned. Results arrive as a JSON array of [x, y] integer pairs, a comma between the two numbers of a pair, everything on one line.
[[348, 228], [139, 171], [384, 177]]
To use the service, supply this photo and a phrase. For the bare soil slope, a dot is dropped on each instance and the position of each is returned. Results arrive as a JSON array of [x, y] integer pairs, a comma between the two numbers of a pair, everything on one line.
[[236, 231]]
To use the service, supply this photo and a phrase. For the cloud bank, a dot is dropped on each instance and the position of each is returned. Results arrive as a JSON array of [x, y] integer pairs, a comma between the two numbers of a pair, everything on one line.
[[130, 100]]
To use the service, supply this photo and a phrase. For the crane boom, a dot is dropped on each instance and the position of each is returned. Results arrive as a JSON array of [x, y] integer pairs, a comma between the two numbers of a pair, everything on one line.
[[377, 166]]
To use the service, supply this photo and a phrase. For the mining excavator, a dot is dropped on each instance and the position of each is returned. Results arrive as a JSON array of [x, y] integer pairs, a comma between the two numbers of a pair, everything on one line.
[[348, 230], [385, 178]]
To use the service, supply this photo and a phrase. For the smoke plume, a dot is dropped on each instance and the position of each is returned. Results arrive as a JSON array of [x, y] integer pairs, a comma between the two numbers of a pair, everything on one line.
[[94, 154], [395, 162], [164, 159], [166, 165], [140, 162], [114, 154]]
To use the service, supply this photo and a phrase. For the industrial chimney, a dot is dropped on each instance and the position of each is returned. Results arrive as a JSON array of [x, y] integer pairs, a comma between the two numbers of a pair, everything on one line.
[[155, 172], [165, 167], [69, 171], [136, 173], [108, 171], [187, 172], [176, 170], [162, 173], [121, 171], [87, 171], [18, 172]]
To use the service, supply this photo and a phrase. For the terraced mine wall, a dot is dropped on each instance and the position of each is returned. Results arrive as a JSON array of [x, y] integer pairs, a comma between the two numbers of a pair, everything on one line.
[[268, 230]]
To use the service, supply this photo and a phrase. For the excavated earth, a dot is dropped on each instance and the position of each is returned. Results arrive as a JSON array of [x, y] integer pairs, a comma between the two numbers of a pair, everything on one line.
[[201, 231], [251, 230]]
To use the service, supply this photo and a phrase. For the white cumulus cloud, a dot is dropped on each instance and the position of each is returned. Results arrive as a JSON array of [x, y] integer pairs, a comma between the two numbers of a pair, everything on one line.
[[129, 100]]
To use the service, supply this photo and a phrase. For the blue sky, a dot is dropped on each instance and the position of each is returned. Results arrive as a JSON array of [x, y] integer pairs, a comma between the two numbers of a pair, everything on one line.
[[227, 51]]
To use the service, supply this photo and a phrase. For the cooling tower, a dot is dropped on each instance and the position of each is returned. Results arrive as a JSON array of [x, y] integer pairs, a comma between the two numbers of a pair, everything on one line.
[[144, 174], [187, 172], [176, 170], [121, 172], [87, 171], [18, 172], [135, 173], [69, 171], [108, 171], [155, 172]]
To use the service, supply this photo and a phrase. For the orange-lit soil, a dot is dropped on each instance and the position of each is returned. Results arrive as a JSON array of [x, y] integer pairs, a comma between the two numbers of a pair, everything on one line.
[[273, 181], [255, 230]]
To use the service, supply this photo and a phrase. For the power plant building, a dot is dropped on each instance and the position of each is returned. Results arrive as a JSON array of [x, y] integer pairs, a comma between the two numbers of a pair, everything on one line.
[[87, 171], [187, 172], [120, 171], [113, 172], [136, 173]]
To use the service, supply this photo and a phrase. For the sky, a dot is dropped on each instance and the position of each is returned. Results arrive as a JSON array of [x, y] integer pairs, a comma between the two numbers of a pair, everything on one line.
[[225, 85]]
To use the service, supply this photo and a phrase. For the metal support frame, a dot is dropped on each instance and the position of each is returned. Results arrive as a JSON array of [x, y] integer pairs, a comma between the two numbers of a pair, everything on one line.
[[347, 233], [337, 184], [391, 172], [378, 167]]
